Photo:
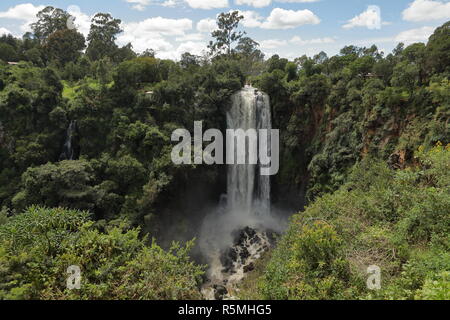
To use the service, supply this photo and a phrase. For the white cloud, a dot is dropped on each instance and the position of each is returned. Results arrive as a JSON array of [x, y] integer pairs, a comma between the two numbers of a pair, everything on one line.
[[299, 41], [415, 35], [142, 42], [265, 3], [272, 43], [196, 48], [296, 40], [159, 25], [251, 19], [169, 3], [425, 10], [139, 4], [254, 3], [207, 25], [4, 31], [297, 1], [207, 4], [193, 47], [82, 20], [22, 12], [371, 19], [407, 37], [26, 12], [150, 33], [190, 37], [278, 19], [287, 19]]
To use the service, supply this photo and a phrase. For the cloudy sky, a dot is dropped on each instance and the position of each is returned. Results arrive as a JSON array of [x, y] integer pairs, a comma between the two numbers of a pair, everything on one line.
[[290, 28]]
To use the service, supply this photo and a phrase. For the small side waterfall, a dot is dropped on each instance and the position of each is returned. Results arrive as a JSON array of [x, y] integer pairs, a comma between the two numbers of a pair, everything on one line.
[[236, 235], [70, 149]]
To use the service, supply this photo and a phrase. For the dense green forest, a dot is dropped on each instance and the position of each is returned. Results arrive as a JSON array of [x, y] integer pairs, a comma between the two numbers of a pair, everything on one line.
[[364, 158]]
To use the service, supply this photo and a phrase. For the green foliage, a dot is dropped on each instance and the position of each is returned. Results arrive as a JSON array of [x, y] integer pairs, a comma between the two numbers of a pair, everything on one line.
[[7, 52], [64, 46], [124, 132], [313, 268], [406, 75], [436, 289], [50, 20], [397, 220], [30, 115], [251, 58], [139, 71], [102, 36], [67, 184], [359, 103], [439, 48], [37, 247]]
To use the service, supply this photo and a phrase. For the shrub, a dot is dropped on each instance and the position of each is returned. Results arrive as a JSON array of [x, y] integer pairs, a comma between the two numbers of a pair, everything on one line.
[[37, 247], [316, 267], [398, 220]]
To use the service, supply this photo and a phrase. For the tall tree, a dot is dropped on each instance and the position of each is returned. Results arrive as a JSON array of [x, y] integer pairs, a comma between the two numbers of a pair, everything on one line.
[[149, 53], [251, 57], [188, 60], [102, 36], [439, 48], [50, 20], [249, 47], [64, 46], [7, 52], [226, 35]]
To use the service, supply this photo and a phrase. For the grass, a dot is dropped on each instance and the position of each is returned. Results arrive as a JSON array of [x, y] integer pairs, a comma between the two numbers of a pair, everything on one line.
[[248, 288], [71, 88]]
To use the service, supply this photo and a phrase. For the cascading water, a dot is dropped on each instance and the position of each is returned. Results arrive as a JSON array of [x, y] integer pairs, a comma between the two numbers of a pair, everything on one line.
[[70, 149], [237, 234], [248, 190]]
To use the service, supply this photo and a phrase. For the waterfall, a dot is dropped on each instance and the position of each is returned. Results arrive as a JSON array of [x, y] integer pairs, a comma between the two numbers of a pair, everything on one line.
[[241, 229], [70, 149], [248, 190]]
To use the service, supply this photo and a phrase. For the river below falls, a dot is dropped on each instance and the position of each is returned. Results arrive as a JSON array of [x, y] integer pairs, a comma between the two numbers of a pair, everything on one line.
[[230, 266]]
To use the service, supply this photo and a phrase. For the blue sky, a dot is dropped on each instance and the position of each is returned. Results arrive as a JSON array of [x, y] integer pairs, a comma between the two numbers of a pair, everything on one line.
[[290, 28]]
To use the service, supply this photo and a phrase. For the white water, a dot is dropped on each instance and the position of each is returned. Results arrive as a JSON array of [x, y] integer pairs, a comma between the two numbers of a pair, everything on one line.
[[247, 202], [248, 190]]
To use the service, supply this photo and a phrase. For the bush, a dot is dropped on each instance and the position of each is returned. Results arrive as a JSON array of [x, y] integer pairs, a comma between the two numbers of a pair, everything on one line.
[[398, 220], [38, 246], [316, 267]]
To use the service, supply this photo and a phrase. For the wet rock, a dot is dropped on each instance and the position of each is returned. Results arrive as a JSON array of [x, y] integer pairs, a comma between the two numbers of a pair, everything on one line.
[[235, 262], [249, 232], [244, 254], [249, 267], [228, 258], [244, 235], [220, 292]]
